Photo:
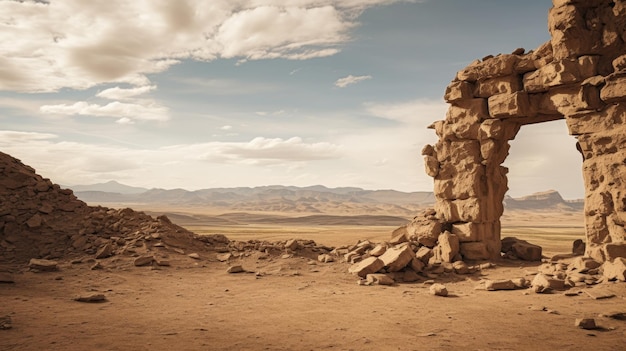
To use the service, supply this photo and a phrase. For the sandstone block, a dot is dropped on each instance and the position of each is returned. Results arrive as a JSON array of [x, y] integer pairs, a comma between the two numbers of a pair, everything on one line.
[[431, 165], [105, 251], [458, 90], [467, 232], [500, 85], [399, 236], [467, 111], [378, 250], [614, 250], [292, 244], [501, 65], [379, 279], [325, 258], [235, 269], [542, 283], [447, 247], [396, 258], [509, 105], [424, 254], [500, 284], [614, 90], [474, 251], [42, 265], [424, 230], [615, 270], [367, 266]]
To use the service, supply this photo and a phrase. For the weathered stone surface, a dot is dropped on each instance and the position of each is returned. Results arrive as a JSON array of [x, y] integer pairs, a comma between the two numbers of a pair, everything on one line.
[[582, 264], [500, 85], [369, 265], [585, 323], [325, 258], [396, 258], [474, 251], [458, 90], [143, 260], [42, 265], [460, 267], [521, 249], [424, 254], [614, 250], [501, 65], [542, 283], [509, 105], [438, 290], [90, 297], [447, 247], [378, 250], [379, 279], [615, 270], [235, 269], [501, 284], [105, 251], [614, 90]]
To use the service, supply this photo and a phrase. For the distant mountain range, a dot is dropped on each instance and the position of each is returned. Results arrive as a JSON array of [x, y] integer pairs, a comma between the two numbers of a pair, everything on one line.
[[315, 199]]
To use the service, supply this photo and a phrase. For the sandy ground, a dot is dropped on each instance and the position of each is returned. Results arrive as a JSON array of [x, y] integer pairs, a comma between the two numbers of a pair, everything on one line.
[[295, 304]]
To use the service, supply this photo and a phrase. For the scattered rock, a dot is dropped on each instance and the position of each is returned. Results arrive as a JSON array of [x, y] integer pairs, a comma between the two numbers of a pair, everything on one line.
[[585, 323], [105, 251], [42, 265], [367, 266], [379, 279], [438, 290], [292, 244], [235, 269], [143, 260], [325, 258], [90, 297], [501, 284], [194, 255], [223, 257], [578, 247]]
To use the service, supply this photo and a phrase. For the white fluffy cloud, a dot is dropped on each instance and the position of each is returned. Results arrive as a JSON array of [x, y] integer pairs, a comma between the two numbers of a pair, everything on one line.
[[79, 44], [118, 93], [349, 80], [420, 111], [125, 112]]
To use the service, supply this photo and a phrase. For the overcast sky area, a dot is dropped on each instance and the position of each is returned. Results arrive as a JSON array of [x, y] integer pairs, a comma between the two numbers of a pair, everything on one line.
[[228, 93]]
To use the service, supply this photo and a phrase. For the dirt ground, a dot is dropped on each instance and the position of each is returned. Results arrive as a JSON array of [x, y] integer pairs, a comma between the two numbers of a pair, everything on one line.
[[294, 304]]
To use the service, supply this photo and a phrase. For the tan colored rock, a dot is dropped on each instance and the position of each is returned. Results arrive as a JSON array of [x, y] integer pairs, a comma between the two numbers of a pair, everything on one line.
[[438, 290], [585, 323], [615, 270], [500, 85], [501, 65], [500, 284], [521, 249], [379, 279], [424, 254], [509, 105], [105, 251], [42, 265], [396, 258], [447, 247], [474, 251], [613, 251], [378, 250], [367, 266], [459, 90], [143, 260]]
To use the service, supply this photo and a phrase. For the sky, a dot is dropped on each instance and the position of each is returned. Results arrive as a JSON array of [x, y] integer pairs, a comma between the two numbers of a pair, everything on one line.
[[227, 93]]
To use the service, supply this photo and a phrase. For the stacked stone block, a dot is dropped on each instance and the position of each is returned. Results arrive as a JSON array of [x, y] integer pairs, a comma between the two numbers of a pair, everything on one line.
[[580, 75]]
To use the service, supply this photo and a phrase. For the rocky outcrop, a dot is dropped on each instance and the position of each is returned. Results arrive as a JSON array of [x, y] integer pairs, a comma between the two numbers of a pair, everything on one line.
[[39, 220], [579, 76]]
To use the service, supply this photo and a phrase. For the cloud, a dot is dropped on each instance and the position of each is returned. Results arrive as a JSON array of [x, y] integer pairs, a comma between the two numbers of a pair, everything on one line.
[[262, 150], [419, 111], [118, 93], [349, 80], [80, 44], [125, 111], [10, 136], [227, 127]]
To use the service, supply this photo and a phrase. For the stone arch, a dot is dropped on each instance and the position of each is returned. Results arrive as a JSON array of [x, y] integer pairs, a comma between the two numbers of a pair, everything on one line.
[[580, 76]]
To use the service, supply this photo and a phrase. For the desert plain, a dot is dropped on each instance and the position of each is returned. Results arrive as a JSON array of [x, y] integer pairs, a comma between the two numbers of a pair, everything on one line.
[[292, 302]]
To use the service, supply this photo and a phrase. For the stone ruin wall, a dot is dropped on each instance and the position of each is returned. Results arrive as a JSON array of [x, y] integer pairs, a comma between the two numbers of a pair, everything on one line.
[[580, 76]]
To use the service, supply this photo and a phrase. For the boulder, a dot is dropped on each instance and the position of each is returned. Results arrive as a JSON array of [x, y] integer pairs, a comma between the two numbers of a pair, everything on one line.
[[614, 250], [367, 266], [396, 258], [438, 290], [521, 249], [235, 269], [378, 250], [90, 297], [143, 260], [585, 323]]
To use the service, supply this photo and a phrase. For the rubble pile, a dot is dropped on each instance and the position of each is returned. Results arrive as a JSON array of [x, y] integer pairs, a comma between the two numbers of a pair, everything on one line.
[[38, 219]]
